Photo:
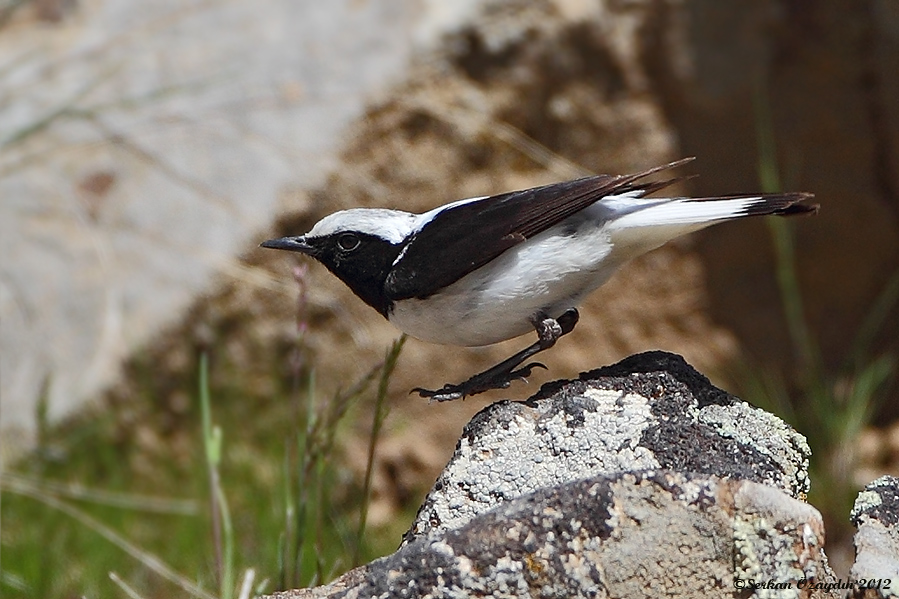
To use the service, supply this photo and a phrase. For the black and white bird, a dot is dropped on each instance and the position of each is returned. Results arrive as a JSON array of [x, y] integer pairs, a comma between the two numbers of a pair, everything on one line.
[[482, 270]]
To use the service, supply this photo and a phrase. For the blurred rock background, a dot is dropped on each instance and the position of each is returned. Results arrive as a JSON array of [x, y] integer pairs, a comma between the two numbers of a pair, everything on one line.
[[147, 148], [144, 147]]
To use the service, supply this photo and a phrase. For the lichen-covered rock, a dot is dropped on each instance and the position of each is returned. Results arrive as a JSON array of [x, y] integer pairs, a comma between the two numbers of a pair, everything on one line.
[[650, 411], [640, 479], [876, 514], [649, 534]]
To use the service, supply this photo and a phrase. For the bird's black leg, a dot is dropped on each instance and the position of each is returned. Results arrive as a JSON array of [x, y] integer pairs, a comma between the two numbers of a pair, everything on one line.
[[501, 376]]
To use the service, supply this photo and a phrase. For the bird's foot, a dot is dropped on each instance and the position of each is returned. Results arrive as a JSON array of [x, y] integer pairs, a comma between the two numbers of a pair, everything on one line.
[[501, 376], [498, 377], [548, 331]]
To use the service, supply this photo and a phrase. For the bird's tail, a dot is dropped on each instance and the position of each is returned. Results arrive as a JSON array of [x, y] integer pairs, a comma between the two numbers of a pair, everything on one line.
[[656, 221], [706, 211]]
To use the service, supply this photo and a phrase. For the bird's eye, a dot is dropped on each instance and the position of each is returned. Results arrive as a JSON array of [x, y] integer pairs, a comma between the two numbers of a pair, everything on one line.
[[348, 242]]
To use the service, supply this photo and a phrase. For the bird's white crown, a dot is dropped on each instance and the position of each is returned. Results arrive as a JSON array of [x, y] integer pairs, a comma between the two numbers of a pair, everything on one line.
[[391, 225]]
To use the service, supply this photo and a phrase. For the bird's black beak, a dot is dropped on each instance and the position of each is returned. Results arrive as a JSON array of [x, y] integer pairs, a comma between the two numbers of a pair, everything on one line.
[[293, 244]]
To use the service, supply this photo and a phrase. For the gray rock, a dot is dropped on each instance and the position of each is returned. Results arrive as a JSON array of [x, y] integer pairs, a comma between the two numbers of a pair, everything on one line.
[[648, 534], [640, 479], [876, 514], [649, 411]]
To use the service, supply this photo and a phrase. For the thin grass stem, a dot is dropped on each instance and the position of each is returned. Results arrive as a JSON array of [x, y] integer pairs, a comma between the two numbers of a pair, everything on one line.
[[382, 408]]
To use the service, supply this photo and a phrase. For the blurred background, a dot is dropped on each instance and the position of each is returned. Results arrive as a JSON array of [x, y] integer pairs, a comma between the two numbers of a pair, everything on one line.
[[146, 148]]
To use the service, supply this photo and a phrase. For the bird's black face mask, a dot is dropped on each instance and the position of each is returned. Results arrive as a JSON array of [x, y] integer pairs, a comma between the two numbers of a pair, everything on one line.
[[360, 260]]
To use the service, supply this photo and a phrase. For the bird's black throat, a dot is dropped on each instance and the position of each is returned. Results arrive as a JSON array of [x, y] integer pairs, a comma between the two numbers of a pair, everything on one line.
[[363, 268]]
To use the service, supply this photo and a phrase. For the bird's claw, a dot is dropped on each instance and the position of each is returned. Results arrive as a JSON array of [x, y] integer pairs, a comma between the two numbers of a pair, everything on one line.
[[479, 383], [525, 371], [447, 393]]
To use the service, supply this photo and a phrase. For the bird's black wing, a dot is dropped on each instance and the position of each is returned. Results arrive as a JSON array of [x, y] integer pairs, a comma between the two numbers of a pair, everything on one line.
[[463, 238]]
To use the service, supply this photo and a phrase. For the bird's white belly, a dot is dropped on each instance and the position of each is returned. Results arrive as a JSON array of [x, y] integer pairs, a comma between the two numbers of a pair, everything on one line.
[[549, 273]]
